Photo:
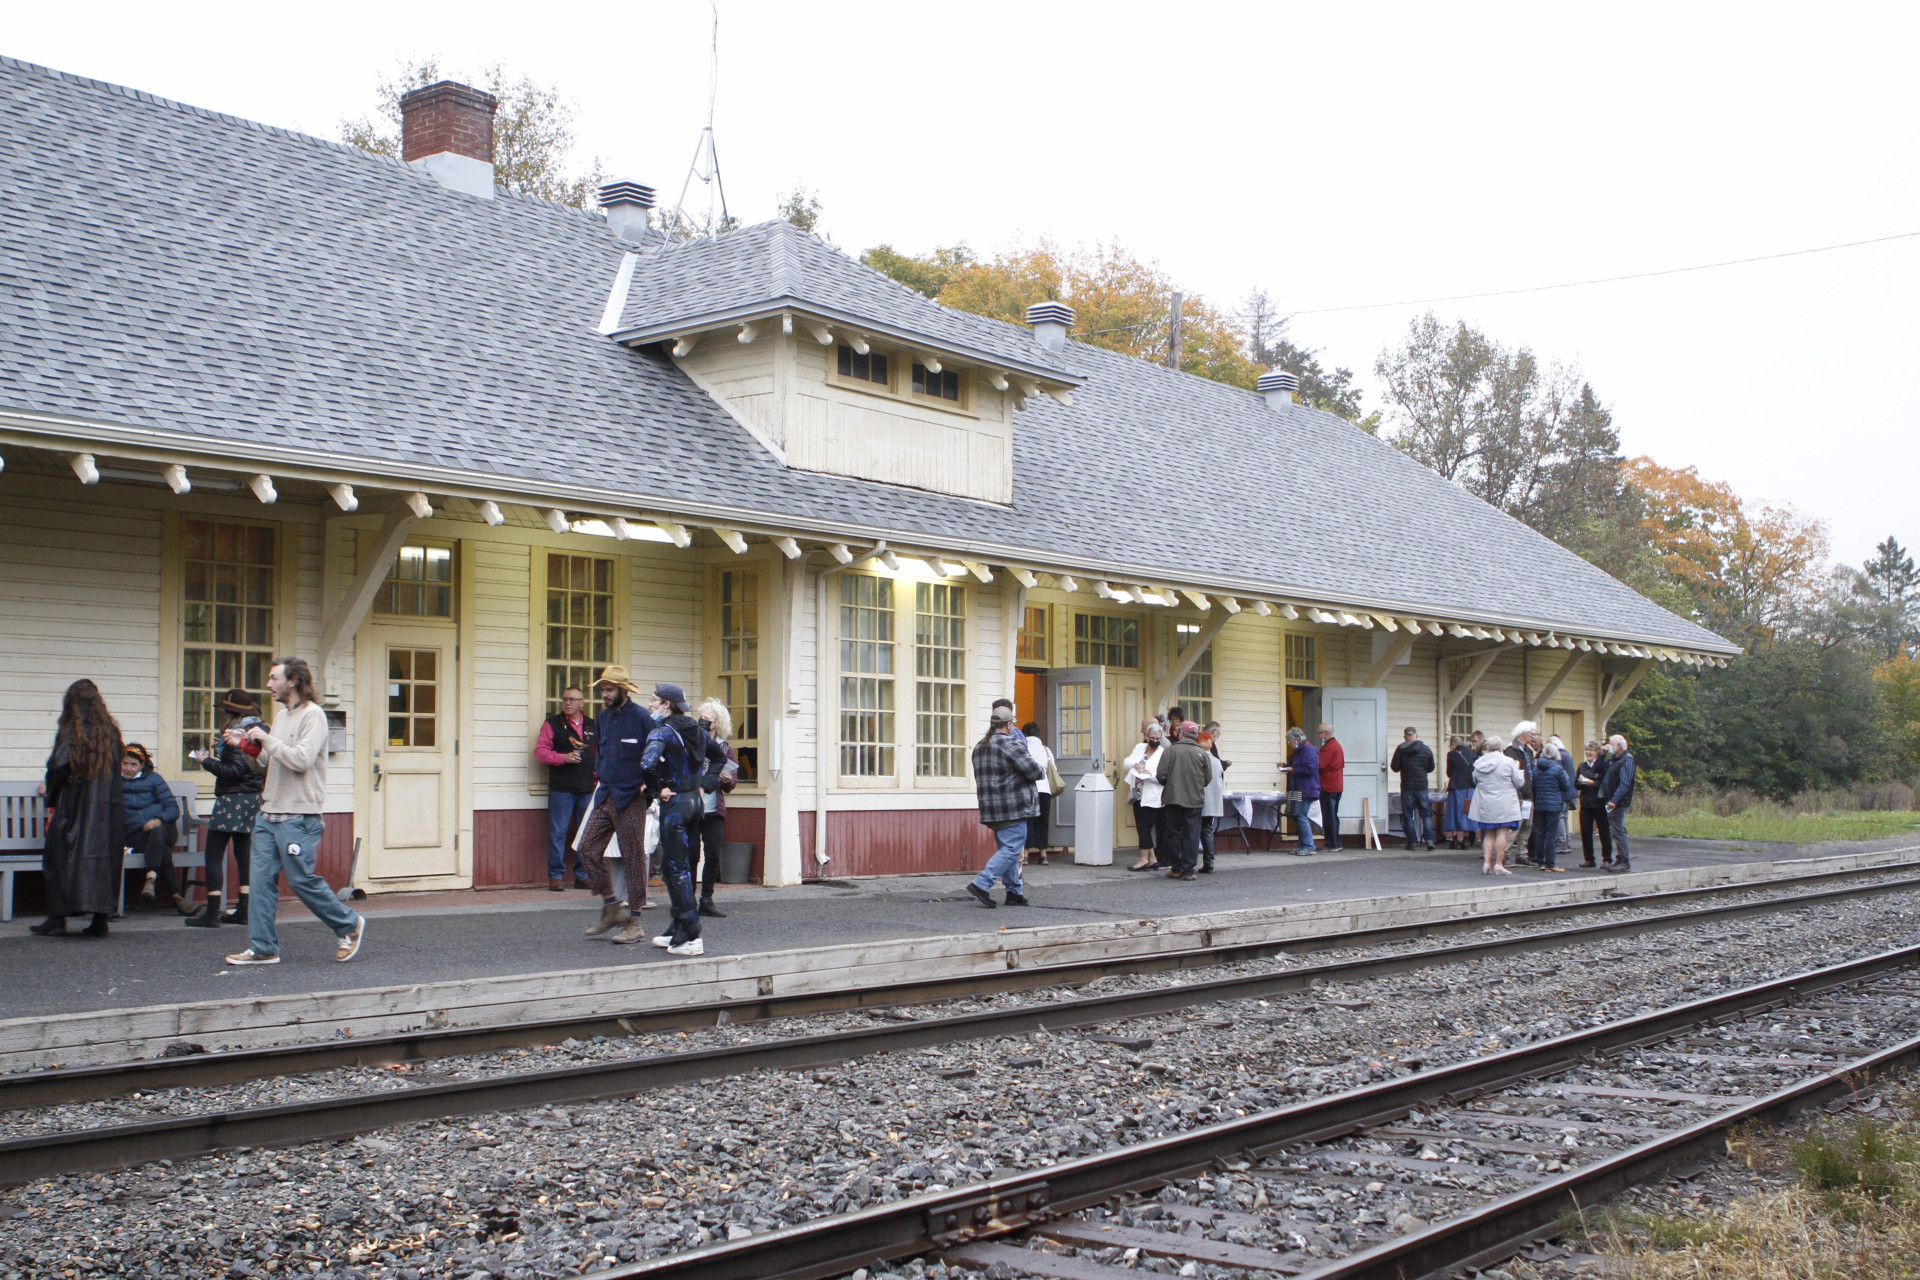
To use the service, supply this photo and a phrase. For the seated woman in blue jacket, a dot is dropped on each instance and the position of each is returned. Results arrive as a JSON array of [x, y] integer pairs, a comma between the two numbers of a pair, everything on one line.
[[152, 824]]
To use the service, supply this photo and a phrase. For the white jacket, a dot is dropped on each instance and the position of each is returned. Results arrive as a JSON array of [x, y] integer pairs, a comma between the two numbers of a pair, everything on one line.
[[1496, 789], [1140, 766], [1043, 757], [1215, 803]]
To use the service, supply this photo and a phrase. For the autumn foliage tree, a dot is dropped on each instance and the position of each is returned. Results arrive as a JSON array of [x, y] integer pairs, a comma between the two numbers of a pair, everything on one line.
[[1121, 302]]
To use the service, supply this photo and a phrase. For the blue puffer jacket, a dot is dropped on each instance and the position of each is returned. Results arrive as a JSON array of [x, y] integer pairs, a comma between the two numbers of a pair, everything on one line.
[[1552, 789], [149, 797]]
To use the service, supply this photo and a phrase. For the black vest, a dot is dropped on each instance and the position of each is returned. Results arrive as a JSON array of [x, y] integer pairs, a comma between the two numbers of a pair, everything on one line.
[[576, 778]]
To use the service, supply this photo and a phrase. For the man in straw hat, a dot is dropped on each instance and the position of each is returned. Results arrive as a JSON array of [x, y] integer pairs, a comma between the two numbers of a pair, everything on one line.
[[619, 807]]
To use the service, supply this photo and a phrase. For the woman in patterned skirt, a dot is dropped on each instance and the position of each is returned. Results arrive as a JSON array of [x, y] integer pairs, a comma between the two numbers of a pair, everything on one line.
[[236, 803]]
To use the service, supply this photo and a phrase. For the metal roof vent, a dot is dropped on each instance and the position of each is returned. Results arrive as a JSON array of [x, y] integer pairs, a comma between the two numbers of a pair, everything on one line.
[[626, 204], [1279, 387], [1050, 321]]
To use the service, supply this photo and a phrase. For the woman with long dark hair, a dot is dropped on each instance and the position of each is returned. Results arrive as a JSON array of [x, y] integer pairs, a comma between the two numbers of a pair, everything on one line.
[[85, 810]]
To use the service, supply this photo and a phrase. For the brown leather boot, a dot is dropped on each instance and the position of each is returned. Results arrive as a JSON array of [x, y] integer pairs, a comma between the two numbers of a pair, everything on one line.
[[613, 915]]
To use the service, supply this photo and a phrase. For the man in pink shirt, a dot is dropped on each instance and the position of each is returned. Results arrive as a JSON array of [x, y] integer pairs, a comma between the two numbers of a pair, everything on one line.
[[566, 748]]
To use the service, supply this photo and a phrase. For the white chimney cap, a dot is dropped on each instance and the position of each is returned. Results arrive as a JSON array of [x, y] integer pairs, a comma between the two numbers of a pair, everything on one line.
[[626, 204]]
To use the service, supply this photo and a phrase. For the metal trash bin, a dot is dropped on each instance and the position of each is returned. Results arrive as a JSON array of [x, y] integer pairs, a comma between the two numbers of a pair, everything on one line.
[[736, 862], [1093, 821]]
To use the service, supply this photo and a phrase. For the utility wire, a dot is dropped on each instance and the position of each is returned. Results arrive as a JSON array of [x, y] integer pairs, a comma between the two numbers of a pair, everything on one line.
[[1576, 284]]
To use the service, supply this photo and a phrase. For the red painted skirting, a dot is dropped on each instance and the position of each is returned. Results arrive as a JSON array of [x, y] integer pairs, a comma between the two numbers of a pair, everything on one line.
[[509, 848], [898, 842]]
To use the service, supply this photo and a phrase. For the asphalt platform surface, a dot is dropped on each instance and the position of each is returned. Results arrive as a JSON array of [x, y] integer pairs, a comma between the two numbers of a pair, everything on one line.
[[415, 938]]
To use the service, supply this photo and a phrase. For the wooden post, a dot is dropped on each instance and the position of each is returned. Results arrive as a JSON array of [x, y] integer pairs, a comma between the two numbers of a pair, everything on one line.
[[1371, 840], [1173, 332]]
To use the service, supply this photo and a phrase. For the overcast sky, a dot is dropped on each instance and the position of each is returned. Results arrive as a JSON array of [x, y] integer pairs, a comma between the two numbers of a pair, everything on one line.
[[1336, 154]]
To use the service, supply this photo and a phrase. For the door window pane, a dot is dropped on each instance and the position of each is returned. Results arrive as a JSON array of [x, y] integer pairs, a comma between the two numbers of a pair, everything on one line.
[[1101, 640], [413, 697], [419, 584]]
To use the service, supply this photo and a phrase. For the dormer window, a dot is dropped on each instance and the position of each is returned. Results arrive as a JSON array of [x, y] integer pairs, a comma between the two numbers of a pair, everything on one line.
[[944, 385], [871, 367]]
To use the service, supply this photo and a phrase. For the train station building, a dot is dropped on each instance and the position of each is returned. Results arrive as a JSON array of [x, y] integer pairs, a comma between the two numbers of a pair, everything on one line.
[[261, 393]]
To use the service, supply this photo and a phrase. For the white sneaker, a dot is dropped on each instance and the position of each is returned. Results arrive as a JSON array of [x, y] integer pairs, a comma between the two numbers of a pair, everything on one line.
[[664, 940], [691, 947], [250, 956]]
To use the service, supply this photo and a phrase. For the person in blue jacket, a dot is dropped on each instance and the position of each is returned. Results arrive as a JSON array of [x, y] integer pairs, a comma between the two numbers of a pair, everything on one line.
[[1616, 788], [152, 824], [1552, 791], [671, 764], [618, 807], [1303, 771]]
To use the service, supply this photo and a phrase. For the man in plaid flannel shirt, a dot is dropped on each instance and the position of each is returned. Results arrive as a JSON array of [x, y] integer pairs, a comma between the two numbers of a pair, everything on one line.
[[1004, 773]]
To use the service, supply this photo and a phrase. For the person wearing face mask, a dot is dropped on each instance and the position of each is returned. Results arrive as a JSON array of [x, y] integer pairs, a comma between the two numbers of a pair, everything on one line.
[[1139, 769], [671, 764], [722, 773], [619, 809]]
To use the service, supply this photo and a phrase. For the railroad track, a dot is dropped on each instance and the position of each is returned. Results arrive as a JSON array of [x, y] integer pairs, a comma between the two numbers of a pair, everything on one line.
[[75, 1084], [1413, 1177], [185, 1136]]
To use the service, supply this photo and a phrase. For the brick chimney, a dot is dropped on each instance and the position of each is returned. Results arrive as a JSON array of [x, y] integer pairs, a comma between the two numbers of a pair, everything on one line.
[[447, 130]]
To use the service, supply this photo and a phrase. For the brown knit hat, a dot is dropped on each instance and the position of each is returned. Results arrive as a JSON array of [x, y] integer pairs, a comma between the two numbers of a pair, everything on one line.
[[240, 702]]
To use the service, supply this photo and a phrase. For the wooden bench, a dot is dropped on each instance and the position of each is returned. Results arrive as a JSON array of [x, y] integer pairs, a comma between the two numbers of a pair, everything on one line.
[[23, 827]]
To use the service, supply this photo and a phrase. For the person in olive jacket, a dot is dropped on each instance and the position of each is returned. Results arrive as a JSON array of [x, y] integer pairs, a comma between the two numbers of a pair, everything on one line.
[[1184, 772]]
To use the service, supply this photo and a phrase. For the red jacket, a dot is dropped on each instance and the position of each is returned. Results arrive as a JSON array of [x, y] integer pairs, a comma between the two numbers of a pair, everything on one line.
[[1333, 767]]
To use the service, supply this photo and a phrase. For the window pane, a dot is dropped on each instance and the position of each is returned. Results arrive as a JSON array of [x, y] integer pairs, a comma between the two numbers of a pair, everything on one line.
[[397, 731], [423, 731]]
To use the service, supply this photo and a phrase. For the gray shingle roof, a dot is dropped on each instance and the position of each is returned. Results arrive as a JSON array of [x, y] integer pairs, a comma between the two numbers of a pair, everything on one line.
[[775, 263], [173, 269]]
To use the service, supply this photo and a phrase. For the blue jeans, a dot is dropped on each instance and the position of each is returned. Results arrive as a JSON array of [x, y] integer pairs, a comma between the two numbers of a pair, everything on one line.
[[1004, 865], [679, 830], [1301, 810], [289, 848], [564, 808], [1546, 827], [1416, 816], [1330, 817]]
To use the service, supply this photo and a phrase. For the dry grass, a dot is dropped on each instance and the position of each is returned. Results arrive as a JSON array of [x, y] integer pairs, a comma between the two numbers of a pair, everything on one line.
[[1867, 811], [1851, 1211]]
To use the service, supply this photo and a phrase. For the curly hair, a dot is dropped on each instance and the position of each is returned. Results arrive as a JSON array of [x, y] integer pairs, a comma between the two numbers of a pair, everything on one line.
[[88, 730]]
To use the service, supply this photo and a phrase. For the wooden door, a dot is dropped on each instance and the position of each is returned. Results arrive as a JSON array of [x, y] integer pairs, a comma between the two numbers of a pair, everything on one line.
[[412, 828], [1126, 707], [1569, 725]]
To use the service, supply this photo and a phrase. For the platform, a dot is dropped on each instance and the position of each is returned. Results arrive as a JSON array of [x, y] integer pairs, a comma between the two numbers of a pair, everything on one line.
[[523, 948]]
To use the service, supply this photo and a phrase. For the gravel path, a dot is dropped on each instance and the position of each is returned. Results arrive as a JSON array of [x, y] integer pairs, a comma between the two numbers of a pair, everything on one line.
[[557, 1192]]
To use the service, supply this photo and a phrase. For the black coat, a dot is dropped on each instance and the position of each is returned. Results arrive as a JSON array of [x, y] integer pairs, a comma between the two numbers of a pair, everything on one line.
[[1460, 769], [83, 854], [233, 772], [1413, 761], [1588, 779]]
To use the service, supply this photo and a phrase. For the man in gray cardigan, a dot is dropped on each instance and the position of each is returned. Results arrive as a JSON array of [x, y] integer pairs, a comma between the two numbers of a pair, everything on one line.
[[286, 835]]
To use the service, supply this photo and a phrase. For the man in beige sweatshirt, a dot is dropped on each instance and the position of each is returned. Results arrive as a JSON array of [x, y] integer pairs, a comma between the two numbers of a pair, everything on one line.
[[286, 835]]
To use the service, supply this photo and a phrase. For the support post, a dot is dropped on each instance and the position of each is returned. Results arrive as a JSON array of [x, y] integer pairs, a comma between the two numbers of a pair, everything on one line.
[[1539, 704], [1161, 695], [344, 618], [1622, 687]]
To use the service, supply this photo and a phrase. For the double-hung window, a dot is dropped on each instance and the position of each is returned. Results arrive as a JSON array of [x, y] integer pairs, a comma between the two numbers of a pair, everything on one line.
[[1104, 640], [230, 575], [579, 625], [1303, 657], [866, 677], [940, 680], [738, 679]]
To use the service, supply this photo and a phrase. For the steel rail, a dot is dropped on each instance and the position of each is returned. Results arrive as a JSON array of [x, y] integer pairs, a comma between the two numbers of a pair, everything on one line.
[[78, 1084], [1003, 1206], [183, 1137]]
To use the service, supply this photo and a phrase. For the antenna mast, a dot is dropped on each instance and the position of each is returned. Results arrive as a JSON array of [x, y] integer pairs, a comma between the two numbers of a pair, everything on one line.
[[705, 168]]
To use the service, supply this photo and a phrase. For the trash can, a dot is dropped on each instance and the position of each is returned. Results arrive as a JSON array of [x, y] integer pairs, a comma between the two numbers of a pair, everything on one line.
[[736, 862], [1093, 821]]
